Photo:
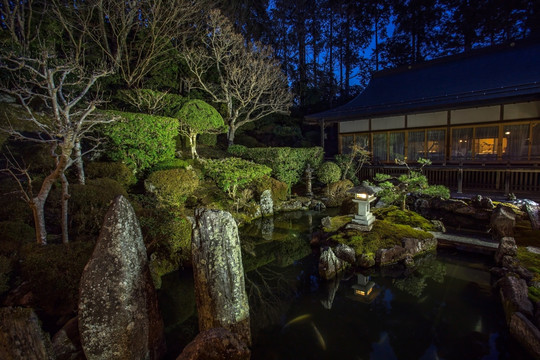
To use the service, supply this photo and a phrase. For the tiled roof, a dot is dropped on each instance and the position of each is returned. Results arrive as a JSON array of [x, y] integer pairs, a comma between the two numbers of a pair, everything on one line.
[[480, 77]]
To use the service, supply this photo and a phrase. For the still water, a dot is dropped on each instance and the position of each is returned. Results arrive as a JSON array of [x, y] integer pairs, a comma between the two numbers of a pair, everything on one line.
[[442, 308]]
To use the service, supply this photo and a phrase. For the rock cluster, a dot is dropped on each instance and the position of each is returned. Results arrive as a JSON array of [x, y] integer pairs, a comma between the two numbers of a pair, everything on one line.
[[216, 344]]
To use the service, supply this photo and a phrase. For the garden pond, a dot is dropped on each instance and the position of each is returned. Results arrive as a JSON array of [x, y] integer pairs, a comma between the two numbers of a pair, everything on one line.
[[443, 307]]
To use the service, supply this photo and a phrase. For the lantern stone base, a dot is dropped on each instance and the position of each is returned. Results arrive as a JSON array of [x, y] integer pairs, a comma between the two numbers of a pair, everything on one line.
[[354, 226], [364, 219]]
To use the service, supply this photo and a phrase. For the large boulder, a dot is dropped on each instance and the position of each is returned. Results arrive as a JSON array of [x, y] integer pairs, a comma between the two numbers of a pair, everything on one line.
[[533, 210], [502, 222], [216, 344], [21, 336], [390, 256], [329, 264], [507, 247], [118, 310], [526, 333], [345, 253], [219, 274], [267, 204], [515, 297], [416, 246]]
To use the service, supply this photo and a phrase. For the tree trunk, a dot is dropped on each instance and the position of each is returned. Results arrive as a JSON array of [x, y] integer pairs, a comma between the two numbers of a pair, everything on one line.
[[193, 144], [65, 203], [230, 135], [81, 178], [39, 221]]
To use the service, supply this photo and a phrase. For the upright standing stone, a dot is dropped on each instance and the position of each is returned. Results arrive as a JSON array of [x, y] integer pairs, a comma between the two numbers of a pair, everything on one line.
[[21, 336], [267, 204], [118, 311], [219, 275]]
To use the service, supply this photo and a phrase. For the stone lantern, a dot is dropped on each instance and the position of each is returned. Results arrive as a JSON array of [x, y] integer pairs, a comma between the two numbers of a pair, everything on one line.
[[363, 196]]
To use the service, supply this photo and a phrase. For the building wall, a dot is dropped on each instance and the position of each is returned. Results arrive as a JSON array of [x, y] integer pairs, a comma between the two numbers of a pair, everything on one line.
[[501, 133]]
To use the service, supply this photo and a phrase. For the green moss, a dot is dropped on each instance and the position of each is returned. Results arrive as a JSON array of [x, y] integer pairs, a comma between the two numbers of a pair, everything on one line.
[[525, 235], [337, 222], [54, 272], [534, 294], [278, 188], [167, 234], [171, 164], [529, 260], [14, 235], [89, 203], [172, 187], [405, 217], [383, 235], [113, 170]]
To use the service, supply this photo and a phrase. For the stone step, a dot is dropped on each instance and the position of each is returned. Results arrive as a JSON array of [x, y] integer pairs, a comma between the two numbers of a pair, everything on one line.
[[478, 242]]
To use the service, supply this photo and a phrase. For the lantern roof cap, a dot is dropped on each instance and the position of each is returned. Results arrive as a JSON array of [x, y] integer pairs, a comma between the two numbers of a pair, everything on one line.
[[364, 188]]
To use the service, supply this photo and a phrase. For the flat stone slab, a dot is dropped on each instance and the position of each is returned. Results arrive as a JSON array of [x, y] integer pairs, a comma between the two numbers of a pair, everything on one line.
[[533, 250], [466, 240]]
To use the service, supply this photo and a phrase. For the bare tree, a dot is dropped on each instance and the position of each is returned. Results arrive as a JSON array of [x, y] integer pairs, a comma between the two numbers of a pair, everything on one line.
[[58, 84], [248, 79], [137, 35]]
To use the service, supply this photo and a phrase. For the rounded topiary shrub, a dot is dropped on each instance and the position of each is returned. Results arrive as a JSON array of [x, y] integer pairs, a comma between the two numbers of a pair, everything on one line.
[[278, 188], [328, 172], [113, 170], [14, 235], [89, 203], [172, 187], [170, 164]]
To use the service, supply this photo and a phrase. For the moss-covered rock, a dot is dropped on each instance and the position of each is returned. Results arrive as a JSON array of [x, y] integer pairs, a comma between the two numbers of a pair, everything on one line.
[[113, 170], [395, 215], [332, 224], [172, 187], [89, 203], [278, 188], [384, 235]]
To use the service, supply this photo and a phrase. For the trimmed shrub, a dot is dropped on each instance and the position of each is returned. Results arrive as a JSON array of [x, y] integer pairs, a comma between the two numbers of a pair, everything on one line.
[[113, 170], [54, 273], [13, 208], [231, 174], [172, 187], [208, 139], [287, 164], [140, 140], [328, 172], [278, 188], [89, 203], [14, 235], [170, 164], [5, 270]]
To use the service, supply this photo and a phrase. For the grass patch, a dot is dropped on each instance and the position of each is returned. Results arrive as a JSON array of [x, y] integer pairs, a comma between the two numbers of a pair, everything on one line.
[[337, 222], [534, 294], [525, 235], [530, 261], [404, 217]]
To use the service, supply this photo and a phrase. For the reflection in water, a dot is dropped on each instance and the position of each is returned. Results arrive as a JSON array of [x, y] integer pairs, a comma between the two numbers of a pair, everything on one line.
[[443, 307]]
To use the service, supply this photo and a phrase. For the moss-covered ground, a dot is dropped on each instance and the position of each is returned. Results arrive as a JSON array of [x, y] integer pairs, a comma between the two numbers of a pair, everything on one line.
[[395, 215], [384, 234]]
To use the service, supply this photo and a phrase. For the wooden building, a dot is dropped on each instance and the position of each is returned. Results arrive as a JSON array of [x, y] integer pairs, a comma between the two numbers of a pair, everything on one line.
[[475, 115]]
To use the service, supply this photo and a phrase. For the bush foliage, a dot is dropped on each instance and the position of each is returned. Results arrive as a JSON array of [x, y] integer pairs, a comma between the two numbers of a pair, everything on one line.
[[172, 187], [287, 164], [232, 174], [113, 170], [141, 141], [329, 172]]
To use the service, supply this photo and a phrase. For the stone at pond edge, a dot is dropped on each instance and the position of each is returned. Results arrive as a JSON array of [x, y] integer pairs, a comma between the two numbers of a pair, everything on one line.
[[118, 310], [21, 336], [502, 222], [329, 264], [526, 333], [66, 343], [215, 344], [219, 275], [345, 253], [515, 297], [267, 204], [507, 247], [390, 256]]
